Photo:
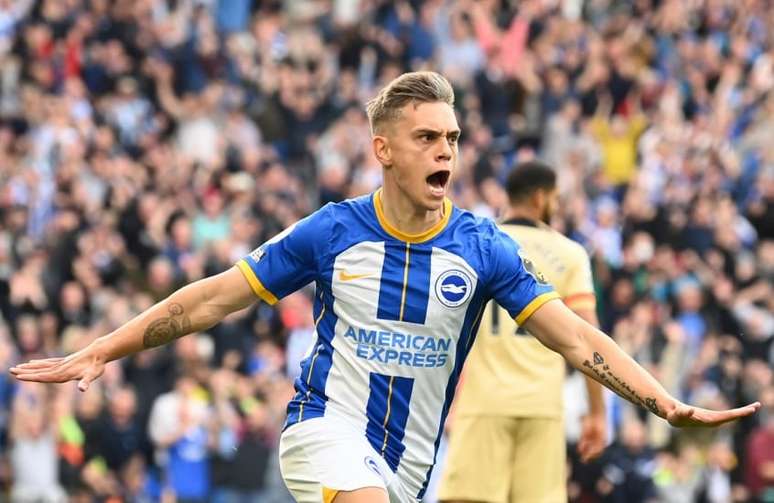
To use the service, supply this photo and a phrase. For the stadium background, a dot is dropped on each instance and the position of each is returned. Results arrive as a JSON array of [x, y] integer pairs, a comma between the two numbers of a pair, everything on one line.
[[148, 143]]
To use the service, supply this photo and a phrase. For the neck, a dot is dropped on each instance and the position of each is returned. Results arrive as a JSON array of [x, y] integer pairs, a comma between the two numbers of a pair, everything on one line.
[[523, 211], [404, 215]]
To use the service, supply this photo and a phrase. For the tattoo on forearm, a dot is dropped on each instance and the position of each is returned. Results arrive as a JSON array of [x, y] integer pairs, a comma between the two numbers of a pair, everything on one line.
[[602, 370], [164, 330], [650, 403]]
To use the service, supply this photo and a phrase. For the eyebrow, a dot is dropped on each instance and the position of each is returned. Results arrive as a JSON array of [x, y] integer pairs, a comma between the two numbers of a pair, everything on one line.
[[436, 132]]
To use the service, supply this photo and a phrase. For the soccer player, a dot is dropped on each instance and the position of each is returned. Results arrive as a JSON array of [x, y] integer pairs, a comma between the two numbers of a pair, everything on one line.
[[509, 446], [402, 278]]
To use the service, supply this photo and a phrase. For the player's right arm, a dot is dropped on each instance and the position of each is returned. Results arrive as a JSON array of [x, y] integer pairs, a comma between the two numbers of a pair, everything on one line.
[[280, 266], [193, 308]]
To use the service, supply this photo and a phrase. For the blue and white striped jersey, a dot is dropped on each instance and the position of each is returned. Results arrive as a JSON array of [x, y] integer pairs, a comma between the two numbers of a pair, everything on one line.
[[395, 316]]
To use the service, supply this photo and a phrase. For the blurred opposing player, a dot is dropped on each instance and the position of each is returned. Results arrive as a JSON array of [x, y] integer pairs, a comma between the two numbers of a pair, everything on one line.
[[508, 445], [402, 278]]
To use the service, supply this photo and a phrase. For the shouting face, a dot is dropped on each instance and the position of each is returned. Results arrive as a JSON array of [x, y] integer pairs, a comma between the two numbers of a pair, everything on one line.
[[419, 152]]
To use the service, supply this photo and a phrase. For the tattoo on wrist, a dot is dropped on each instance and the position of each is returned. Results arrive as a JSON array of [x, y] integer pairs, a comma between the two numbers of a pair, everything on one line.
[[602, 370], [164, 330]]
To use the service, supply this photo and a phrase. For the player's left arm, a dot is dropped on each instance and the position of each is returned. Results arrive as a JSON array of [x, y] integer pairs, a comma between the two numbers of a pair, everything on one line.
[[598, 356]]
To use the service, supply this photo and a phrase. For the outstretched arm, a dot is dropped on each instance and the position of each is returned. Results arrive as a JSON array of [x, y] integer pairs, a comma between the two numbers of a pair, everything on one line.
[[194, 307], [596, 355]]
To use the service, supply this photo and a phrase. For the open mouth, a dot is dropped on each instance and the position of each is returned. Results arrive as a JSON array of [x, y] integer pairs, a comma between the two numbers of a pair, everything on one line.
[[439, 179]]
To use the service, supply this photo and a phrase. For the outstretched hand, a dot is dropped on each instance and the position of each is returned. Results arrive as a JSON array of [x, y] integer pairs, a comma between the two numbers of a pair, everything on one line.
[[85, 365], [688, 416]]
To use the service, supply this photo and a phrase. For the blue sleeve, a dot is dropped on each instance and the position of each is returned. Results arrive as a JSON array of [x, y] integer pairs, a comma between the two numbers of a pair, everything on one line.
[[514, 282], [289, 260]]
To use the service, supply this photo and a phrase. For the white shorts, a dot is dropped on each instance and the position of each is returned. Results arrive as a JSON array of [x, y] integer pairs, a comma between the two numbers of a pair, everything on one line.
[[321, 456]]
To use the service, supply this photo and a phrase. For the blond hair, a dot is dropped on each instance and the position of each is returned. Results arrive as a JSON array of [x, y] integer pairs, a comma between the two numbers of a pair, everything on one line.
[[416, 87]]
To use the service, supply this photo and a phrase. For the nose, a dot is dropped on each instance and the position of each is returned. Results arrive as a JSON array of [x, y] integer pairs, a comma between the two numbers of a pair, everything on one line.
[[444, 151]]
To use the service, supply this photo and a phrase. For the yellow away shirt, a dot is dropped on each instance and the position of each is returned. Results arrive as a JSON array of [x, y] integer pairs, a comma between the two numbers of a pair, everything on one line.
[[508, 372]]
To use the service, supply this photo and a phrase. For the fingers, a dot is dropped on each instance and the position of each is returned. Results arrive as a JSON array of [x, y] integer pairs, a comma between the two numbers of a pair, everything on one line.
[[82, 366], [22, 372], [47, 377], [750, 409], [36, 364], [740, 412], [33, 369], [50, 370], [690, 416]]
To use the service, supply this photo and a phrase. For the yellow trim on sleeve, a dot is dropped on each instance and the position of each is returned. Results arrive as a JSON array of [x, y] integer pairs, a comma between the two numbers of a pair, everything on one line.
[[411, 238], [329, 494], [256, 284], [534, 305]]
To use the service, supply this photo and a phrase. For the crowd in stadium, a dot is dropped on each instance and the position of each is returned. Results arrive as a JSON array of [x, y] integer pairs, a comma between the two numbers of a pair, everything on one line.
[[147, 143]]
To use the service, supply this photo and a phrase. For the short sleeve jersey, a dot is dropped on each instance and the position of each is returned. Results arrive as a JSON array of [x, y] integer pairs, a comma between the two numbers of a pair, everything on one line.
[[395, 316]]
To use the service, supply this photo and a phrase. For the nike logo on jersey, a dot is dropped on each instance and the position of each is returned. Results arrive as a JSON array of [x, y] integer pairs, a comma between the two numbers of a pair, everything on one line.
[[343, 276]]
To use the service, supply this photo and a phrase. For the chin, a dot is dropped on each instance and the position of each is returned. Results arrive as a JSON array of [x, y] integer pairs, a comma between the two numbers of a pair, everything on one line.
[[433, 204]]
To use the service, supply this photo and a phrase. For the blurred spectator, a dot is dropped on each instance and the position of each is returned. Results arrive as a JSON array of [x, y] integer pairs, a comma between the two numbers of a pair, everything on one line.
[[717, 474], [213, 223], [760, 454], [628, 467], [34, 455], [7, 384], [119, 432], [178, 430], [618, 141]]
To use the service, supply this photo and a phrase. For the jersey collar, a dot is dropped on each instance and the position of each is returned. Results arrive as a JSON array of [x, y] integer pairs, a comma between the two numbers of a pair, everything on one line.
[[411, 238]]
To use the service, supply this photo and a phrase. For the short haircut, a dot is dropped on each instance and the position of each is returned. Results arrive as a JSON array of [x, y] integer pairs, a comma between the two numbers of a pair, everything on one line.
[[416, 87], [528, 177]]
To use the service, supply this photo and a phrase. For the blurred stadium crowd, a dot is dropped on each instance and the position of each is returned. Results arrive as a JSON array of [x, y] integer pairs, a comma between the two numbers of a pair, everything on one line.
[[147, 143]]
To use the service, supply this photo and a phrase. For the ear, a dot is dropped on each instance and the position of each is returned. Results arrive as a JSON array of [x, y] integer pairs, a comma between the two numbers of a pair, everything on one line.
[[382, 151], [539, 199]]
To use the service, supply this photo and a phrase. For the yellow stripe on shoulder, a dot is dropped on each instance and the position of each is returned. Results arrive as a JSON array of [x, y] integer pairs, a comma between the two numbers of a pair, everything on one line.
[[534, 305], [256, 284]]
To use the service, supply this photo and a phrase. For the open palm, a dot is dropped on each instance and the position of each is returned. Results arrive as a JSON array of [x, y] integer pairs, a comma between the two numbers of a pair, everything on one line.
[[85, 365], [688, 416]]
